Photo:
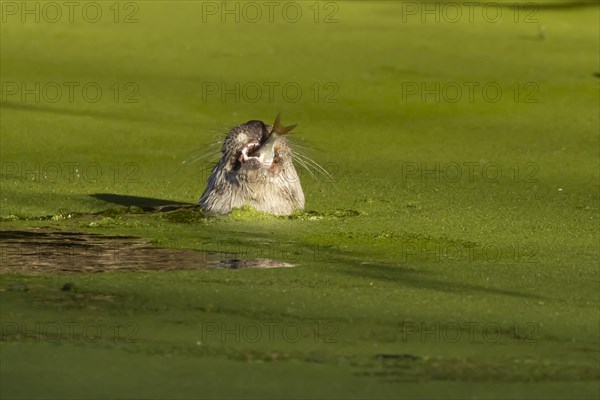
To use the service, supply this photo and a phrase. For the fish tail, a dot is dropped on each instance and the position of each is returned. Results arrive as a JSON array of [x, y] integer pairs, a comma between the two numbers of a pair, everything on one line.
[[279, 129]]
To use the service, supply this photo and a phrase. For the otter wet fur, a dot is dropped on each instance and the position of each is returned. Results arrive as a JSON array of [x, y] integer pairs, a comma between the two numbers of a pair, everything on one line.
[[255, 170]]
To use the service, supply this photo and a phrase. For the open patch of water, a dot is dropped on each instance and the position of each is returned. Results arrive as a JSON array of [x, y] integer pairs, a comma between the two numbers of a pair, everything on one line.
[[43, 251]]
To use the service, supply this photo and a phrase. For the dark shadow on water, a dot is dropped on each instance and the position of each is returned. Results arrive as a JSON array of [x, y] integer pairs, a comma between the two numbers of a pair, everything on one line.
[[551, 5], [75, 112], [531, 6], [66, 111], [145, 203], [417, 279]]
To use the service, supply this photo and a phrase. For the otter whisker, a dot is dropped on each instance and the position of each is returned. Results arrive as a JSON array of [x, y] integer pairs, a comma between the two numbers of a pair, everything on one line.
[[309, 160], [304, 165], [205, 146], [208, 152], [313, 170], [305, 145], [318, 168], [296, 145], [211, 156]]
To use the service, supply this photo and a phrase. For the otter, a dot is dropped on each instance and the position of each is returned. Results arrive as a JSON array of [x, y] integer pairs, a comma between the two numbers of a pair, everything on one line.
[[255, 170]]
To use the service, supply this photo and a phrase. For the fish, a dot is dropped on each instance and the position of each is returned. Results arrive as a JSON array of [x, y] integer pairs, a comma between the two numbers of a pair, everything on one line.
[[267, 149]]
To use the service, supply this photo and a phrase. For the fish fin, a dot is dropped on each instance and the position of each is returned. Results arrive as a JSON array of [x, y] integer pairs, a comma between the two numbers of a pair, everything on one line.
[[280, 129]]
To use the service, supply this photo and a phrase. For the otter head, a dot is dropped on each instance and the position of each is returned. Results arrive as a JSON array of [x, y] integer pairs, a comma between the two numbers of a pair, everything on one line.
[[255, 169]]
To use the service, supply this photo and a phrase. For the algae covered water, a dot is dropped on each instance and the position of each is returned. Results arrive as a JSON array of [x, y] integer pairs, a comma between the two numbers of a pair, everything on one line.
[[450, 251]]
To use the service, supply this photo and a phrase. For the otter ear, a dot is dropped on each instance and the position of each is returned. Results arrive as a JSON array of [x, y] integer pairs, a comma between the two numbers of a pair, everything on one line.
[[280, 129]]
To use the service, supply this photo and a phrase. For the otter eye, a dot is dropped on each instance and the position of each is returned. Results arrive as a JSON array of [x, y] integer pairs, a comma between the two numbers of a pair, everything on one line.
[[265, 134]]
